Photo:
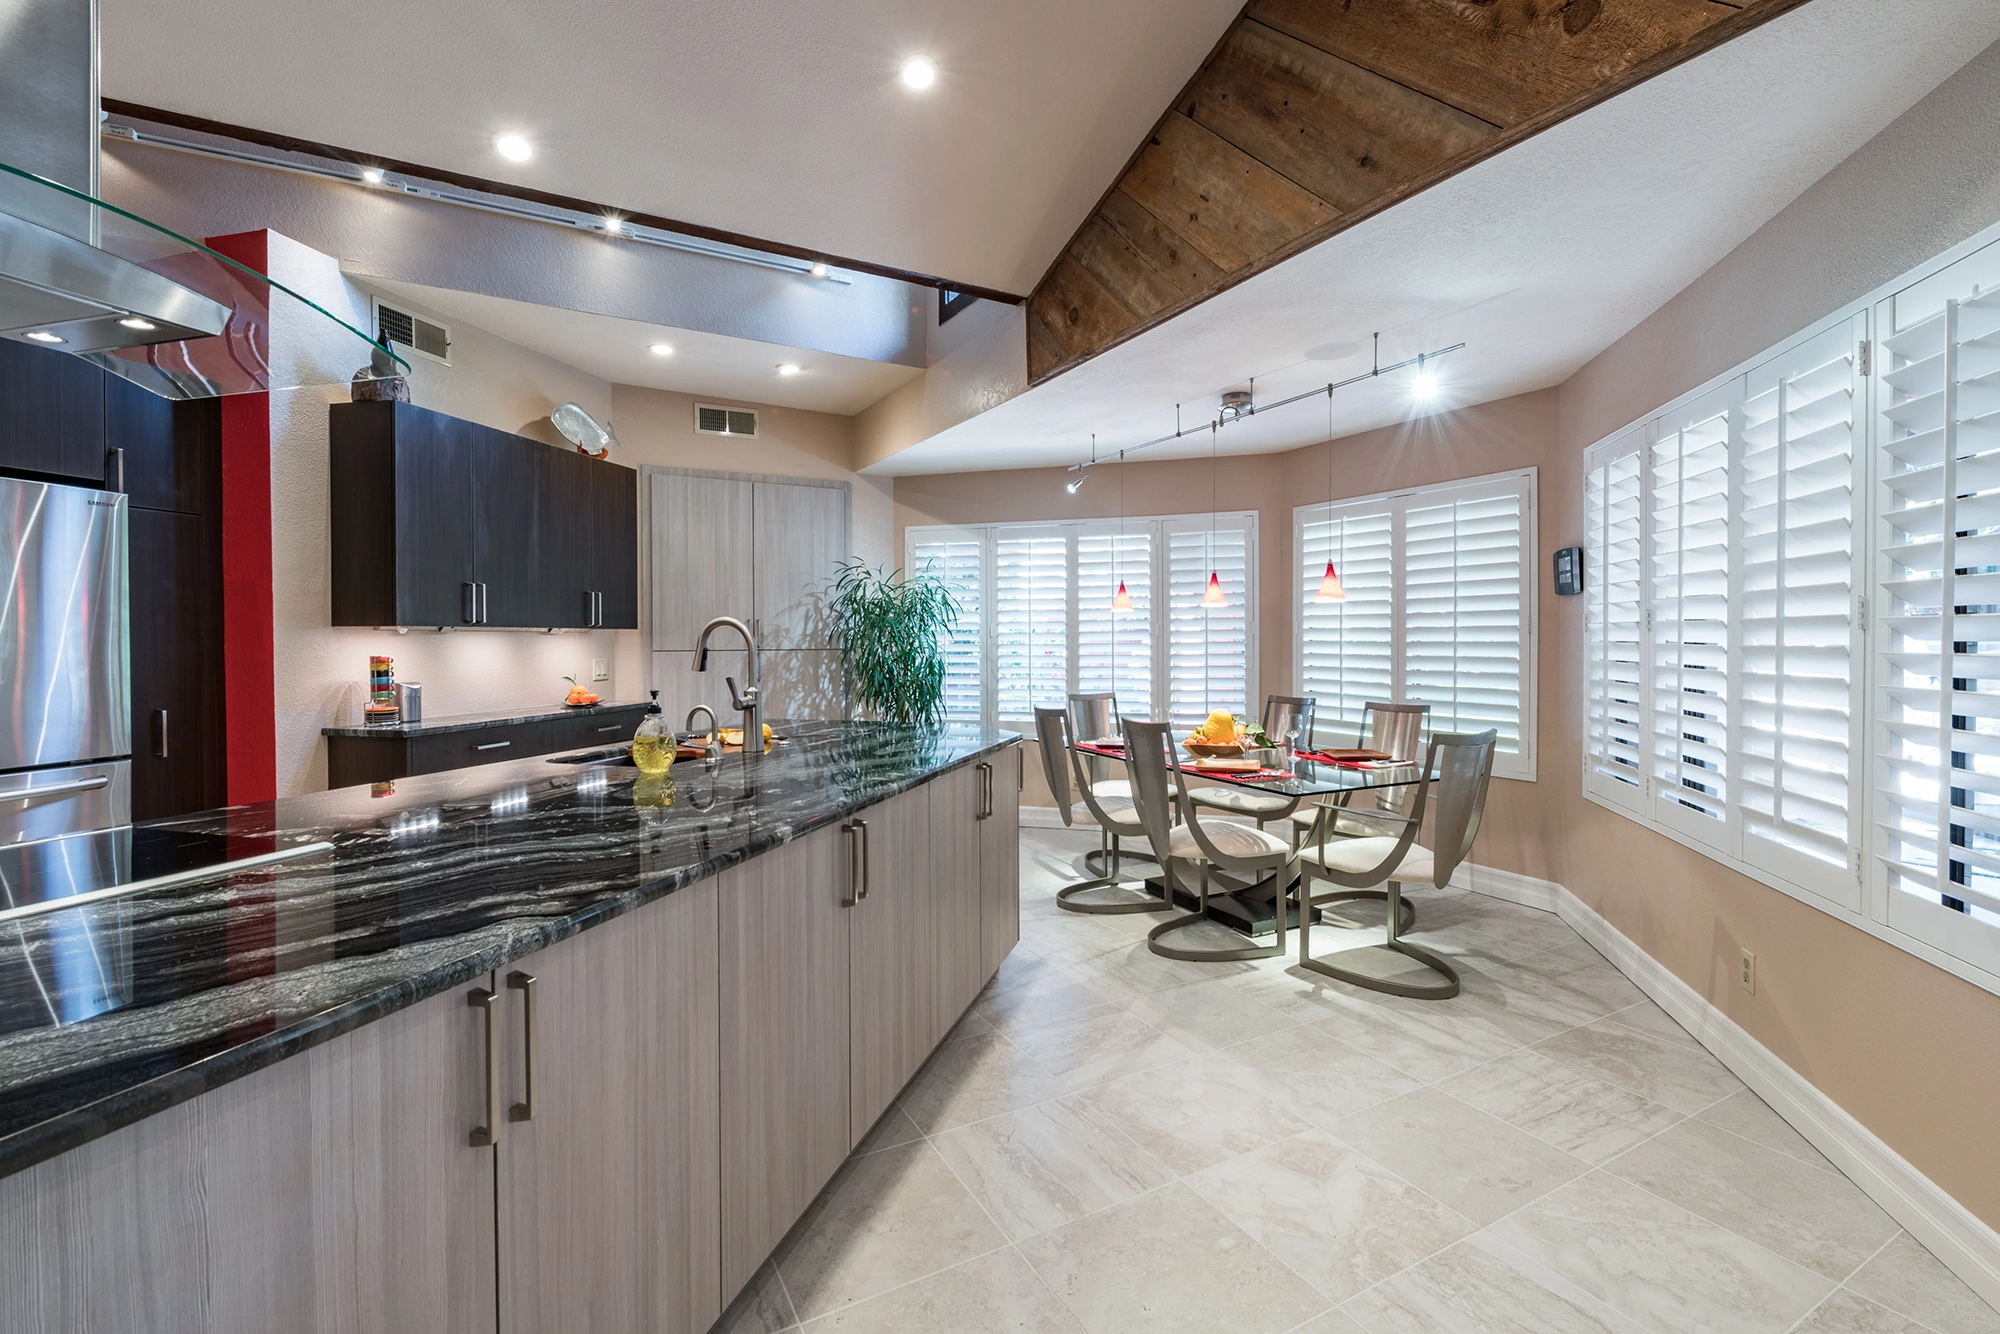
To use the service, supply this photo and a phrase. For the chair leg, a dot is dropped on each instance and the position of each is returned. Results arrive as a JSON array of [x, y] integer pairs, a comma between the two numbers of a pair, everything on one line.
[[1444, 988], [1112, 867], [1100, 862], [1406, 912], [1200, 914]]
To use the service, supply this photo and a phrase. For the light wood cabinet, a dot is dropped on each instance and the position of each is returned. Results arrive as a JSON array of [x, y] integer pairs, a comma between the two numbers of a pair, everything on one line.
[[609, 1189], [785, 1042], [891, 984], [958, 803], [329, 1193], [1000, 863]]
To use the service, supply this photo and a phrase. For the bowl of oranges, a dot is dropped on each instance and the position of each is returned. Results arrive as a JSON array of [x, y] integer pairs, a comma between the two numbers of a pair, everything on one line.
[[1223, 735]]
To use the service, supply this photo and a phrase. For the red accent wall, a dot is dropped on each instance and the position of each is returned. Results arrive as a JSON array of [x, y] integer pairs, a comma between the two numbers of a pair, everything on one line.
[[249, 668]]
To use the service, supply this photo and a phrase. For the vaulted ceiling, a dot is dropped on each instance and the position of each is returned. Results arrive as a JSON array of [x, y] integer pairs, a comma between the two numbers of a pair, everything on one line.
[[1312, 115]]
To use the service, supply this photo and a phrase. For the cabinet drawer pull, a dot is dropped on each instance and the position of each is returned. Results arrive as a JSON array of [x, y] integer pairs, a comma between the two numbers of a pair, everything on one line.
[[489, 1134], [525, 984], [612, 728], [493, 745]]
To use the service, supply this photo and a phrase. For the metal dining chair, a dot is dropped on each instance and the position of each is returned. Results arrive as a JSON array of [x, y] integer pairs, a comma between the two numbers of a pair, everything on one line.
[[1282, 713], [1395, 729], [1093, 716], [1116, 818], [1151, 758], [1463, 765]]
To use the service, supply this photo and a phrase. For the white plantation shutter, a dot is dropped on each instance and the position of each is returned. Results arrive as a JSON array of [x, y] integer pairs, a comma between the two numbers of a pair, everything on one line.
[[957, 556], [1464, 622], [1439, 610], [1345, 649], [1796, 618], [1690, 580], [1614, 611], [1937, 773], [1031, 591], [1114, 649], [1208, 648]]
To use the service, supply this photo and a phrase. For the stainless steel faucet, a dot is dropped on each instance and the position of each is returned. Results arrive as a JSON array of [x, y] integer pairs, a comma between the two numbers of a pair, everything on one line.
[[746, 699]]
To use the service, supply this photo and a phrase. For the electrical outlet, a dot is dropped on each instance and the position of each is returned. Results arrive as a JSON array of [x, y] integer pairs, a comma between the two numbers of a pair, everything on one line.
[[1749, 978], [600, 669]]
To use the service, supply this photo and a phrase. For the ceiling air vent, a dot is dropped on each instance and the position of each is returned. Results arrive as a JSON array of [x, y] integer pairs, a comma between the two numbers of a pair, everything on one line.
[[712, 420], [426, 338]]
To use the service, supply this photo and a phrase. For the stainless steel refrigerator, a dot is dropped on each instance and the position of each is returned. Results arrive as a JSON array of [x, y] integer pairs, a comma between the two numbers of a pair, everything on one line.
[[65, 675]]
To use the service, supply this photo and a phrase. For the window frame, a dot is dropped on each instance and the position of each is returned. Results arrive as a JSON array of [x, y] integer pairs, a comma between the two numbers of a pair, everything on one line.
[[1932, 933], [1524, 482], [1159, 608]]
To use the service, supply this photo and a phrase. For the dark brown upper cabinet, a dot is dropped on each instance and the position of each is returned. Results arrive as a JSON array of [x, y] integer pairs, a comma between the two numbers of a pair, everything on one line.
[[438, 521], [51, 414]]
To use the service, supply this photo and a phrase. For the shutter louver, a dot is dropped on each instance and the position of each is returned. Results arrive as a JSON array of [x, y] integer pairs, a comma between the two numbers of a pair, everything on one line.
[[1796, 620], [1031, 590], [957, 558], [1690, 577], [1208, 647], [1114, 649], [1346, 649], [1614, 623], [1462, 614]]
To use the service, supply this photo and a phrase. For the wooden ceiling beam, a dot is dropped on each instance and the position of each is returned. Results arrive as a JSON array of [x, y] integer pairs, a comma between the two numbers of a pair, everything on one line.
[[1311, 115]]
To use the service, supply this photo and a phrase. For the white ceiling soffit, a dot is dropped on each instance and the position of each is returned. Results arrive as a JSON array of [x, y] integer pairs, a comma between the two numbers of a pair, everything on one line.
[[783, 121], [1537, 259], [714, 365]]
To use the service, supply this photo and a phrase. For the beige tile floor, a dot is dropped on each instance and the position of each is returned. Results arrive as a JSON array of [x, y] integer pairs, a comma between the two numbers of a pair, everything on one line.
[[1111, 1141]]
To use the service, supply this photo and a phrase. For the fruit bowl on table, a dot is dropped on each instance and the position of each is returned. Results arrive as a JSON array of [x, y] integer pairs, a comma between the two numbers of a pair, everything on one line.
[[1210, 750]]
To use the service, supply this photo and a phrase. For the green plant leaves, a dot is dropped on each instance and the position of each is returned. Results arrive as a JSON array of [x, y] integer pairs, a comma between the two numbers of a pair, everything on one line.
[[891, 629]]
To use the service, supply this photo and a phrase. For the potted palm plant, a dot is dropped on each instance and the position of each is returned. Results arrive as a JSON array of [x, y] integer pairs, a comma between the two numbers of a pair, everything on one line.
[[890, 628]]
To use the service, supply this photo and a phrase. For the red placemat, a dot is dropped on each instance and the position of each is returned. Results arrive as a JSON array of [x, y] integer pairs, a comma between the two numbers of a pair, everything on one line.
[[1109, 752]]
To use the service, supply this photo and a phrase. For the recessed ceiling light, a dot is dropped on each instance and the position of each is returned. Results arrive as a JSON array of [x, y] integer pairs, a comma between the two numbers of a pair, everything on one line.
[[819, 270], [919, 72], [661, 349], [137, 322], [44, 336], [372, 175], [787, 368], [513, 147]]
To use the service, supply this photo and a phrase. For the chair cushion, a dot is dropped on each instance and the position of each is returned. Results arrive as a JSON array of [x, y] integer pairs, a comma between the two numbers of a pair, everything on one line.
[[1120, 789], [1121, 815], [1232, 840], [1356, 856], [1239, 801]]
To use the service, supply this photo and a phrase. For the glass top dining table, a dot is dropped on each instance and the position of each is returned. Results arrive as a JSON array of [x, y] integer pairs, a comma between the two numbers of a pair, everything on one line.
[[1296, 776]]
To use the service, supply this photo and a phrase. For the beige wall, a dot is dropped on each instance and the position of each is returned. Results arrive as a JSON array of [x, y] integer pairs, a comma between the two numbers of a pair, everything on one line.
[[1908, 1049]]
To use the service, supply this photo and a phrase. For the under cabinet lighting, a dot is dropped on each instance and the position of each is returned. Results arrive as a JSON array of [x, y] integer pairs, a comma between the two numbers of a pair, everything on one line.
[[661, 349], [44, 336], [372, 175], [919, 73], [137, 322], [787, 368], [819, 270], [513, 147], [614, 226]]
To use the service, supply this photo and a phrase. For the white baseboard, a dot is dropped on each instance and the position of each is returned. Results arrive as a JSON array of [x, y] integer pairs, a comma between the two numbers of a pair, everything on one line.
[[1509, 886], [1965, 1243]]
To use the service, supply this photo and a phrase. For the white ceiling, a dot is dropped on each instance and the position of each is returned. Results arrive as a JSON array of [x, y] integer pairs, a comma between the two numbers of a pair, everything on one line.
[[713, 365], [783, 121], [1537, 259]]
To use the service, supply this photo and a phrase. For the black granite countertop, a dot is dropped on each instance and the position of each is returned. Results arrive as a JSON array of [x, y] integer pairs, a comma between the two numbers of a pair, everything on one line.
[[116, 1010], [466, 722]]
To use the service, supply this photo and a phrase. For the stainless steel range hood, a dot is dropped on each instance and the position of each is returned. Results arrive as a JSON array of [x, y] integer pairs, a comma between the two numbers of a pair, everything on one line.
[[61, 292]]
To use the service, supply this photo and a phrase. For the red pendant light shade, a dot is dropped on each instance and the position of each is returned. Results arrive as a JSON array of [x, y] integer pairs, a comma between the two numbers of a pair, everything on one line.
[[1329, 587], [1123, 600], [1213, 597]]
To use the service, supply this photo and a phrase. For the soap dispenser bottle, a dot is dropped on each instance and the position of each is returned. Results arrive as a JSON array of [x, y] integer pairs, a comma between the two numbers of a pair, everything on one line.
[[653, 744]]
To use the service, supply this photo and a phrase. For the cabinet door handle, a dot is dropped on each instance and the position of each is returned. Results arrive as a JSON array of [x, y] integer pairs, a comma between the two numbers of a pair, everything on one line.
[[489, 1134], [160, 732], [482, 603], [612, 728], [470, 613], [853, 833], [861, 885], [493, 745], [114, 469], [985, 772], [525, 984], [1020, 769]]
